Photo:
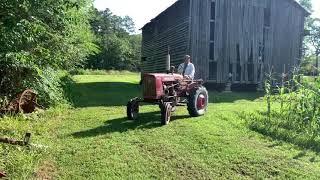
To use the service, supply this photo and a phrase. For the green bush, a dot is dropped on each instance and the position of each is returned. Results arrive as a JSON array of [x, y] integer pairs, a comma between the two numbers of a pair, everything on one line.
[[49, 84], [39, 38]]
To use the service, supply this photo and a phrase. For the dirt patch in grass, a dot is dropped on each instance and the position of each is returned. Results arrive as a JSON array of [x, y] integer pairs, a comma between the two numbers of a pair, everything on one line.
[[46, 171]]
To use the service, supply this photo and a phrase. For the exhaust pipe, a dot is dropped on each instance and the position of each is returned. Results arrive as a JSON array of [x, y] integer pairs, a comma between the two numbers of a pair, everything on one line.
[[168, 61]]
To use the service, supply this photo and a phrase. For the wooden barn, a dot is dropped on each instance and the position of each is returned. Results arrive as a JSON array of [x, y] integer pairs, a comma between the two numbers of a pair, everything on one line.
[[227, 39]]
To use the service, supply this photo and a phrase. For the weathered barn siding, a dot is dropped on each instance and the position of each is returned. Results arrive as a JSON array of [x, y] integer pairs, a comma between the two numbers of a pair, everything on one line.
[[200, 36], [239, 38], [242, 37], [286, 35], [246, 39], [168, 31]]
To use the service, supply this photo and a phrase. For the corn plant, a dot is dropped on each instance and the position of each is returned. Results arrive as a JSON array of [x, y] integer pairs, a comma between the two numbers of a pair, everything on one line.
[[293, 110]]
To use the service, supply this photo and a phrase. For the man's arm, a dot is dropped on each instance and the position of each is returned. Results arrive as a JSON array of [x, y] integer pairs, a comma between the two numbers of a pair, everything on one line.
[[193, 71], [180, 69]]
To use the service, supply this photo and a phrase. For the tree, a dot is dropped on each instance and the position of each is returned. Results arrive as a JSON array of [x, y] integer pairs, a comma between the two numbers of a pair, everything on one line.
[[39, 37], [314, 39], [55, 31], [119, 47], [311, 41], [307, 65], [306, 4]]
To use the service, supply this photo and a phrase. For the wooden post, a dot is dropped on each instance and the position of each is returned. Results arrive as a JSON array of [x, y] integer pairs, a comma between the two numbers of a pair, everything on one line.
[[261, 80], [283, 75]]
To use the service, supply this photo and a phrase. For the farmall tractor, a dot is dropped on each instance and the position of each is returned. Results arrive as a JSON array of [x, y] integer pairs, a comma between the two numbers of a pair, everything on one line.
[[169, 90]]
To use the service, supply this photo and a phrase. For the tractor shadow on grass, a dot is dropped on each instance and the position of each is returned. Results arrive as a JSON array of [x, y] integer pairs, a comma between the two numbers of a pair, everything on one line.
[[146, 121], [103, 94], [225, 97], [96, 94], [282, 132]]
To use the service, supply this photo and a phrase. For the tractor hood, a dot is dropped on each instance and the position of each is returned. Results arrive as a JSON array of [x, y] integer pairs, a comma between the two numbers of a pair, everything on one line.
[[166, 77]]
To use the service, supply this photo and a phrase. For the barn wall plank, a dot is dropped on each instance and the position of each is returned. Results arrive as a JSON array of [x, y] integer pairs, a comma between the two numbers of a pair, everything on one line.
[[169, 31]]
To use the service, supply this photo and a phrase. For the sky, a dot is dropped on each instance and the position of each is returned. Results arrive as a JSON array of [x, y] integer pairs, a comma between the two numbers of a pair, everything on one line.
[[316, 8], [142, 11]]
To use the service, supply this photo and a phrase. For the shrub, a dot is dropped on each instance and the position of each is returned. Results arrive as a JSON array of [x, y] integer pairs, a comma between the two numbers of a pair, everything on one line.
[[50, 86], [37, 39], [48, 83]]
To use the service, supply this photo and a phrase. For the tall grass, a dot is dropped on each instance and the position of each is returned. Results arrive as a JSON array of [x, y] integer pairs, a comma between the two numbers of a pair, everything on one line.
[[292, 113]]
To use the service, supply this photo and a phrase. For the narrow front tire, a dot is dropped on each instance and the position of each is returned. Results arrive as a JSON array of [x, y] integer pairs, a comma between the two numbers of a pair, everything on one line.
[[133, 109], [166, 110]]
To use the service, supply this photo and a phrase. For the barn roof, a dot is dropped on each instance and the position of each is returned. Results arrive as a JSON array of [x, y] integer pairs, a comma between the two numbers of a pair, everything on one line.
[[159, 15], [300, 6], [292, 1]]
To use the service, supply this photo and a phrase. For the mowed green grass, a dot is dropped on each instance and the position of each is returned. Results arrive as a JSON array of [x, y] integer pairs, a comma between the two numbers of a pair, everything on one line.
[[94, 140]]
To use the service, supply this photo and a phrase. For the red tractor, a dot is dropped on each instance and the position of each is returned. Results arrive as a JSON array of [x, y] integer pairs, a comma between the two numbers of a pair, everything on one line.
[[169, 91]]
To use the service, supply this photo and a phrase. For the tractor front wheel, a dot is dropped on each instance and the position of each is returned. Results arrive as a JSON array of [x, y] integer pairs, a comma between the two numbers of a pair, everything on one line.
[[166, 110], [198, 102], [133, 109]]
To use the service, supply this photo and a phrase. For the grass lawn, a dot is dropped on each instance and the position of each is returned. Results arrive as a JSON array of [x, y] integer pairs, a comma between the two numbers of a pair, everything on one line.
[[94, 140]]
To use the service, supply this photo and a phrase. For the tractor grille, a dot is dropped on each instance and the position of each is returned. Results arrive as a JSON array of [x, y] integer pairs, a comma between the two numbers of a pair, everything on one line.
[[149, 87]]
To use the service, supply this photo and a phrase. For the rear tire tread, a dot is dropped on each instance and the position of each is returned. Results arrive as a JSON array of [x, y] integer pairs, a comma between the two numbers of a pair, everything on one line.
[[192, 102]]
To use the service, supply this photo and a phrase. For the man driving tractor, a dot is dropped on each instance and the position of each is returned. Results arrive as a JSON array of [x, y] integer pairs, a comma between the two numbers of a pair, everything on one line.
[[168, 90], [187, 69]]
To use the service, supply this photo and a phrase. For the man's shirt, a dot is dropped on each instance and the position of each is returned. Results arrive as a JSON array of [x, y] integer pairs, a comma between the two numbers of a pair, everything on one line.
[[189, 71]]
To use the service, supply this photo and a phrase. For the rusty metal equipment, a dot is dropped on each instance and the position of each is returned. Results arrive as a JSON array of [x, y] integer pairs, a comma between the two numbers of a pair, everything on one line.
[[24, 142], [169, 90], [25, 102], [2, 174]]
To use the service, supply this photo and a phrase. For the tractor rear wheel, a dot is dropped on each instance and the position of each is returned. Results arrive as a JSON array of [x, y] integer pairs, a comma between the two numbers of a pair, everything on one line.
[[198, 102], [166, 110], [133, 109]]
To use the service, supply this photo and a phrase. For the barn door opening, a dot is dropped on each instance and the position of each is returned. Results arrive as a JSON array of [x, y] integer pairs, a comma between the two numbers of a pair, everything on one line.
[[251, 72], [213, 67], [250, 66], [239, 66]]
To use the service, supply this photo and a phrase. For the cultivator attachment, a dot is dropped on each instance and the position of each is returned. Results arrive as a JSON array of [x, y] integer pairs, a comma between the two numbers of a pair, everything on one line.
[[25, 102]]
